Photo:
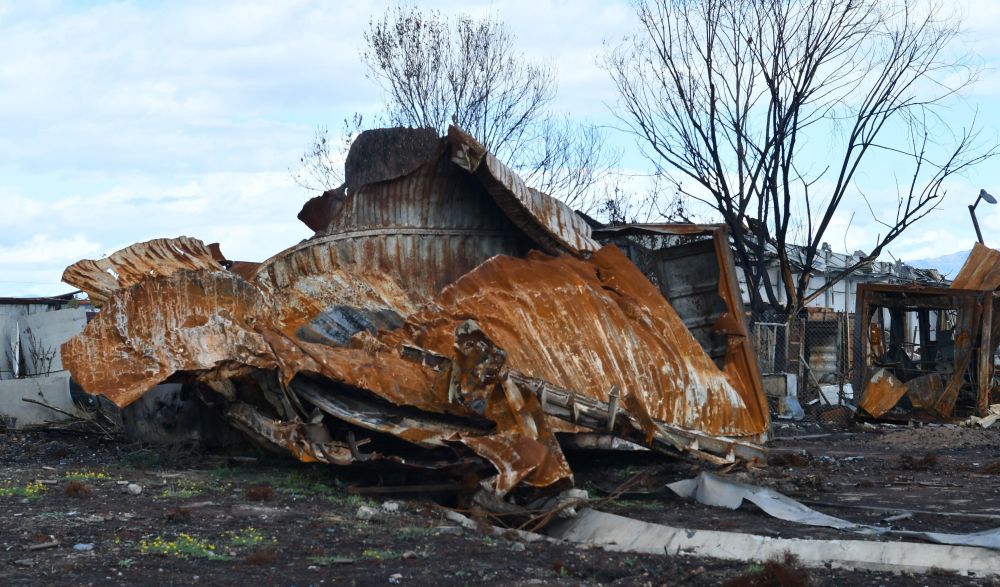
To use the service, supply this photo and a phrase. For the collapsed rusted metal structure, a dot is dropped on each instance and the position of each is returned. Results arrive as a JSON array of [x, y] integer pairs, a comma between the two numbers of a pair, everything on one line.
[[443, 316], [929, 351]]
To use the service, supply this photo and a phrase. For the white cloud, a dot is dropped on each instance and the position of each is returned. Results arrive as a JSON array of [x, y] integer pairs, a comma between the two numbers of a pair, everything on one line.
[[128, 121], [43, 248], [252, 215]]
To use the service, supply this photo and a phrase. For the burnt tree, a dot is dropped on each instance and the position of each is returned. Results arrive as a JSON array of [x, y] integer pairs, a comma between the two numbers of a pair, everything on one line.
[[725, 96], [435, 70]]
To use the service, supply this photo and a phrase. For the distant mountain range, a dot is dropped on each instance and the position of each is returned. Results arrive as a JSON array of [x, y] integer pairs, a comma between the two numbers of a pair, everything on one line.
[[948, 265]]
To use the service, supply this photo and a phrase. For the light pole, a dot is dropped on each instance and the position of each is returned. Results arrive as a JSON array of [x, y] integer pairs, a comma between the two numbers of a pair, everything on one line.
[[983, 195]]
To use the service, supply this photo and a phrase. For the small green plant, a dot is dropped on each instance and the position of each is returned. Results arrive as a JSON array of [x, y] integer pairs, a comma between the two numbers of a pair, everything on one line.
[[352, 500], [87, 476], [184, 546], [411, 532], [380, 555], [636, 504], [329, 559], [182, 490], [126, 563], [247, 537], [32, 490], [297, 484]]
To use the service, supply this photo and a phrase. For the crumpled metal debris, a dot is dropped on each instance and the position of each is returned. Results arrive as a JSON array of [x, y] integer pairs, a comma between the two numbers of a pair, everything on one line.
[[941, 366], [981, 270], [444, 316]]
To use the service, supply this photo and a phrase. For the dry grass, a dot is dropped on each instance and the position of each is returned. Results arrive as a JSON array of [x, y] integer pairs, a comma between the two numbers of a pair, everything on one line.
[[911, 463], [77, 489], [179, 515], [787, 459], [990, 468], [262, 557], [259, 493], [783, 572]]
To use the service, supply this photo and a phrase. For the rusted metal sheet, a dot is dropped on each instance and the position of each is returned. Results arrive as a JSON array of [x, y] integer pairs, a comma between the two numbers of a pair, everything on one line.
[[980, 271], [882, 392], [924, 391], [385, 154], [693, 267], [318, 298], [631, 421], [590, 326], [127, 267], [318, 212], [422, 230], [940, 373], [551, 224], [191, 321], [418, 313]]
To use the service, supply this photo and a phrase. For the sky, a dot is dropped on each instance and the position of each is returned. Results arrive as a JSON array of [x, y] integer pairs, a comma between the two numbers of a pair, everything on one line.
[[126, 121]]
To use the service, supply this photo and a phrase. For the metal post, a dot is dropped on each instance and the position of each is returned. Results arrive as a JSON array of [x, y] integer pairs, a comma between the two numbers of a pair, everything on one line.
[[972, 212]]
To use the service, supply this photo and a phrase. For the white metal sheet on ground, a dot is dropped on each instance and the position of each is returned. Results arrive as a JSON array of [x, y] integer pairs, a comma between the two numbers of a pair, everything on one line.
[[718, 491], [618, 533]]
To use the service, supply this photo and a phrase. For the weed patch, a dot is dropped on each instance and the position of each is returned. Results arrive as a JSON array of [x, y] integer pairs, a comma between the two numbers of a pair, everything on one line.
[[32, 490], [297, 484], [93, 476], [247, 537], [327, 560], [379, 554], [182, 490], [184, 546]]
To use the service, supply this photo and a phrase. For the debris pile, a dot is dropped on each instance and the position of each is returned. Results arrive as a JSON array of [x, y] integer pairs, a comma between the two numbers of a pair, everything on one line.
[[929, 351], [445, 318]]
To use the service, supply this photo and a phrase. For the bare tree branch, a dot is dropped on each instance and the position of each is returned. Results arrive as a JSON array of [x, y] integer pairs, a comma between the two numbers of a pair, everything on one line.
[[727, 94]]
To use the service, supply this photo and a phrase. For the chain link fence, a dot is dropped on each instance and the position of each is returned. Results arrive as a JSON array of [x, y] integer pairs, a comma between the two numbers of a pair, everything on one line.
[[809, 357]]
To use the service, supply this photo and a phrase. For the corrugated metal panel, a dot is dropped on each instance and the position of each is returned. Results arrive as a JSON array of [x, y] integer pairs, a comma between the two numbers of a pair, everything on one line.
[[550, 223], [981, 270], [688, 275], [590, 326], [419, 261], [186, 321], [647, 243], [437, 194], [127, 267], [422, 231]]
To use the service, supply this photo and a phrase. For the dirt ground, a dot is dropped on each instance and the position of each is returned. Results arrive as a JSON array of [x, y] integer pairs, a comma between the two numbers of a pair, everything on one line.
[[79, 510]]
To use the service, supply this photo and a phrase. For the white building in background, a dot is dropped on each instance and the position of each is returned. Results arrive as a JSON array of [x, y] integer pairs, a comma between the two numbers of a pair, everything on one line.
[[32, 331], [842, 296]]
